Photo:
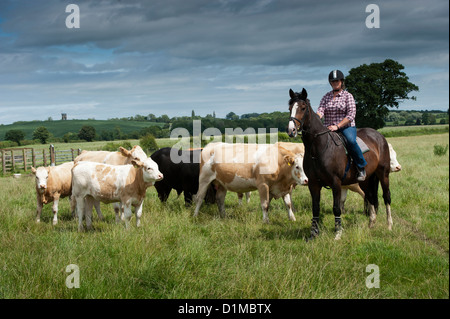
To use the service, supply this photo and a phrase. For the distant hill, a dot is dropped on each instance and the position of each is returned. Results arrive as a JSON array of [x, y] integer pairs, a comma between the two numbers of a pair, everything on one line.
[[58, 128]]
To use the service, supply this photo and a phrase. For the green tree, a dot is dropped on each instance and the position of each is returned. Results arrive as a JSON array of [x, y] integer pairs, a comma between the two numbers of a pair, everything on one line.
[[42, 134], [232, 116], [15, 136], [376, 87], [148, 143], [87, 133]]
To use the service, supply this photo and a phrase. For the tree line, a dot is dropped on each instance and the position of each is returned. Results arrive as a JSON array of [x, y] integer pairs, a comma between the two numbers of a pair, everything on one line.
[[377, 88]]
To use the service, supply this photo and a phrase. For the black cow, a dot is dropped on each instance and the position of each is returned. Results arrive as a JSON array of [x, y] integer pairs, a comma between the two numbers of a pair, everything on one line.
[[182, 176]]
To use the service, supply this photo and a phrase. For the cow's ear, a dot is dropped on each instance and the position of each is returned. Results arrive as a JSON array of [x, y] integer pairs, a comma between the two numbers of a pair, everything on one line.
[[124, 152], [33, 170], [289, 160], [137, 163]]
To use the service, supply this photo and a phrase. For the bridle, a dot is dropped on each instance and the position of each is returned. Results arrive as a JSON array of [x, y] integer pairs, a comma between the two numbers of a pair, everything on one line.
[[302, 121], [300, 128]]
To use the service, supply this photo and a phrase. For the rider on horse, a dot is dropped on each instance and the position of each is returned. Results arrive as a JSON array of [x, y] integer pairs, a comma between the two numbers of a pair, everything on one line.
[[338, 107]]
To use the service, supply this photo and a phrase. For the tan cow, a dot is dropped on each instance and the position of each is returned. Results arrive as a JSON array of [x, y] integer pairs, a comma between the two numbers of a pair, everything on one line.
[[112, 183], [122, 157], [113, 158], [241, 168], [52, 183]]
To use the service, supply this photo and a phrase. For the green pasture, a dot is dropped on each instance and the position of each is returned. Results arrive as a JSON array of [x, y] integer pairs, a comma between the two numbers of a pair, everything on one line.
[[58, 127], [173, 255]]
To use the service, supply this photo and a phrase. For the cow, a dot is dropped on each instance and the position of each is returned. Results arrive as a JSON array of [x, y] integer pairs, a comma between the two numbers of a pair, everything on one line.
[[112, 183], [122, 157], [113, 158], [240, 168], [395, 166], [52, 183], [181, 170]]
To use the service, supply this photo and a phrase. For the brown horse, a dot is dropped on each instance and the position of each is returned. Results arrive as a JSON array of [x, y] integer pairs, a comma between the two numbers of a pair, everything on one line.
[[326, 162]]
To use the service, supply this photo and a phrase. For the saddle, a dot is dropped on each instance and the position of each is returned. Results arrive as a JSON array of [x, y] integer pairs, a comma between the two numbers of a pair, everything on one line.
[[362, 145]]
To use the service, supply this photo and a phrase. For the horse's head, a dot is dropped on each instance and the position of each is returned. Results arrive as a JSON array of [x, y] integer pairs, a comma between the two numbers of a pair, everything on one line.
[[298, 108]]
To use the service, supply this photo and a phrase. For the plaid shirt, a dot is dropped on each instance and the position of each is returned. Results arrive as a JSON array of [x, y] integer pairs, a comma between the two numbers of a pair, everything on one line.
[[334, 110]]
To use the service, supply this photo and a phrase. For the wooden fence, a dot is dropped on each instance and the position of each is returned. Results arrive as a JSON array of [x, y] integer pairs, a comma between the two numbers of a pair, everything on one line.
[[17, 159]]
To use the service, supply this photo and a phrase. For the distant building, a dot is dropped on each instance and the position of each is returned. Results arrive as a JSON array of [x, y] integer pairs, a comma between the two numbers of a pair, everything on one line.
[[64, 116]]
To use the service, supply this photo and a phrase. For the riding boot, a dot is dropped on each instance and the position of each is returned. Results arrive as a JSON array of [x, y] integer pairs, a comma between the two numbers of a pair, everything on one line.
[[337, 228], [314, 228]]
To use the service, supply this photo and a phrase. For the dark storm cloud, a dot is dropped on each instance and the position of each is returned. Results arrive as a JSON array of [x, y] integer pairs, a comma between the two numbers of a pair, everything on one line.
[[133, 52]]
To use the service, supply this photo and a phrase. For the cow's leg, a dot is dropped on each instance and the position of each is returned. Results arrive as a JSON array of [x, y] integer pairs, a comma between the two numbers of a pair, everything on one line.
[[98, 210], [117, 211], [138, 210], [55, 208], [314, 190], [80, 212], [372, 200], [220, 200], [127, 214], [38, 209], [247, 196], [240, 195], [204, 181], [263, 190], [88, 211], [387, 198], [288, 204], [187, 198], [73, 205]]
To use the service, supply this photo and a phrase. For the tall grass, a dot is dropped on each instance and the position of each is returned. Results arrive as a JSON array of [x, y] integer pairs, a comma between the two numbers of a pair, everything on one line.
[[173, 255]]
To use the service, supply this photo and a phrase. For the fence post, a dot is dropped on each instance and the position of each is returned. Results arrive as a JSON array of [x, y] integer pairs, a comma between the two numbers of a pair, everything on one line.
[[33, 158], [3, 162], [13, 161], [52, 155], [24, 156], [44, 156]]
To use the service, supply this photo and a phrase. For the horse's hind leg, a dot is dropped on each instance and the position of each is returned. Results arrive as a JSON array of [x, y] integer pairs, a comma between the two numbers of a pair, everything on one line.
[[387, 198]]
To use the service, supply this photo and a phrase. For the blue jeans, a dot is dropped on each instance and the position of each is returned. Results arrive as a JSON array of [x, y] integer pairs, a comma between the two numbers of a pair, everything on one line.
[[353, 148]]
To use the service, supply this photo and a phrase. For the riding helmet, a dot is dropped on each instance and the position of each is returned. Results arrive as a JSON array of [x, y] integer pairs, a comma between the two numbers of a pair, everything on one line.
[[335, 75]]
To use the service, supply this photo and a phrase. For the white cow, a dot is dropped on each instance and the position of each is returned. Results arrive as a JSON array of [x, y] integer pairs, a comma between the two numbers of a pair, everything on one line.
[[113, 158], [112, 183]]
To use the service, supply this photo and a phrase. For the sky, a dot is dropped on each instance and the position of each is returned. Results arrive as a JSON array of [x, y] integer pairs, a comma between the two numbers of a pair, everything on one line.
[[132, 57]]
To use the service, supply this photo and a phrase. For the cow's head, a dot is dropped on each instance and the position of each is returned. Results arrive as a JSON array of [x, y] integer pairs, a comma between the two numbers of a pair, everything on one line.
[[395, 165], [41, 174], [296, 162], [136, 153], [150, 170]]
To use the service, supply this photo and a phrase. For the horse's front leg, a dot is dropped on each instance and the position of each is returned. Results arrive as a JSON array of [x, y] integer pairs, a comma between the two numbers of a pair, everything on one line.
[[337, 211], [314, 190]]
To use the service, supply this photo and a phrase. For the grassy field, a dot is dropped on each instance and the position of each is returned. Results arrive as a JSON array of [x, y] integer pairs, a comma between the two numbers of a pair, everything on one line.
[[58, 127], [173, 255]]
